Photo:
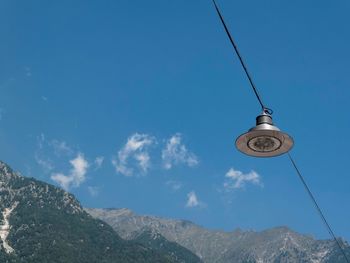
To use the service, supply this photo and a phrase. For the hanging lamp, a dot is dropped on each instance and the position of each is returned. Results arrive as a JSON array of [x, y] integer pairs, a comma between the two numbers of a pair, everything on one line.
[[265, 139]]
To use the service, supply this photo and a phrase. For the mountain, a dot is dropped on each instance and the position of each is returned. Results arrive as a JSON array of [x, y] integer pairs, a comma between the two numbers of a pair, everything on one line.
[[276, 245], [44, 224], [153, 239]]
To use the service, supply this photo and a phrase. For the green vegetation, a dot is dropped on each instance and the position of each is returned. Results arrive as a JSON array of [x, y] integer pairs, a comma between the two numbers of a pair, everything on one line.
[[49, 225], [173, 250]]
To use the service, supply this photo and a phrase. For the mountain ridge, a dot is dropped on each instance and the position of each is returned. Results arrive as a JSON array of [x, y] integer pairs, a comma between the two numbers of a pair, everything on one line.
[[43, 223], [280, 244]]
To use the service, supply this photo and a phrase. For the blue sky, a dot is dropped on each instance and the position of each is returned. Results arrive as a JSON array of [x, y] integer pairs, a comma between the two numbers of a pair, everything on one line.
[[137, 104]]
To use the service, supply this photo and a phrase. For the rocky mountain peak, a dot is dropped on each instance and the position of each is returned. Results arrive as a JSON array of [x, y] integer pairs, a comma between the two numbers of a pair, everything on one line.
[[6, 173], [43, 223], [31, 192], [276, 245]]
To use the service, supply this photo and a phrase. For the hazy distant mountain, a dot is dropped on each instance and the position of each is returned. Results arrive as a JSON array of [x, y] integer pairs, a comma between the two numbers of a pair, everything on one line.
[[40, 223], [277, 245]]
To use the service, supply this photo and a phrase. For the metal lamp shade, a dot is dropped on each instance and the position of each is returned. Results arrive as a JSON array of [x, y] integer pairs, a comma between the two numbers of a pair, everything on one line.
[[265, 139]]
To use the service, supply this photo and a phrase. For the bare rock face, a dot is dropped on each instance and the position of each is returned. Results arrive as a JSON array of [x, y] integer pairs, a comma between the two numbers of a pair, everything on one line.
[[277, 245]]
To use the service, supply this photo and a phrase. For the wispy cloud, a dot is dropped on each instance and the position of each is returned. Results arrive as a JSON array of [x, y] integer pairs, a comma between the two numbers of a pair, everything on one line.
[[41, 141], [76, 175], [53, 154], [193, 201], [174, 185], [236, 179], [48, 150], [41, 157], [98, 162], [134, 154], [28, 71], [45, 163], [175, 152], [93, 190], [60, 147]]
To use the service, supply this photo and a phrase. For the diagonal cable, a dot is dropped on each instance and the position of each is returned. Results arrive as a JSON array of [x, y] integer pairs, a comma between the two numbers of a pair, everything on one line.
[[265, 109], [319, 211]]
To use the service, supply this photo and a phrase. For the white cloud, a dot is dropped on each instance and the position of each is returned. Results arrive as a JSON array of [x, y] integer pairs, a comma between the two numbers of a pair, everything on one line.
[[28, 71], [143, 159], [76, 175], [99, 161], [41, 140], [193, 201], [134, 153], [174, 185], [45, 164], [47, 150], [93, 190], [236, 179], [42, 159], [60, 147], [177, 153]]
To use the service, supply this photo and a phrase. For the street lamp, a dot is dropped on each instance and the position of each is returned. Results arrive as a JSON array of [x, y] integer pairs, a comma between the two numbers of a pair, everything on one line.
[[265, 139]]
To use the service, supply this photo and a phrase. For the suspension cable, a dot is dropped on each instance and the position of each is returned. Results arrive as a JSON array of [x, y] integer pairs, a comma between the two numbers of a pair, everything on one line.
[[313, 199], [265, 109], [269, 111]]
